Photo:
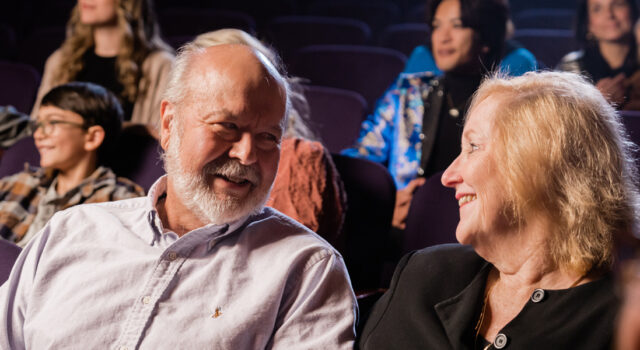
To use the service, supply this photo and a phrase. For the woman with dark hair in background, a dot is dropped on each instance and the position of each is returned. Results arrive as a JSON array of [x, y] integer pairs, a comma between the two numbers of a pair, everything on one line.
[[416, 126], [116, 44], [609, 54]]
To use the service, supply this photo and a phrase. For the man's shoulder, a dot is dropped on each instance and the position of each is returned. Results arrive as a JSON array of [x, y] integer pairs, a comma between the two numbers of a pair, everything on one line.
[[286, 232], [119, 208]]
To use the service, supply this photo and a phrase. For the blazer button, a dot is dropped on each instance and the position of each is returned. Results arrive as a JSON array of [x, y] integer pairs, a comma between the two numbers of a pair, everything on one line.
[[500, 341], [421, 136], [537, 296], [420, 171]]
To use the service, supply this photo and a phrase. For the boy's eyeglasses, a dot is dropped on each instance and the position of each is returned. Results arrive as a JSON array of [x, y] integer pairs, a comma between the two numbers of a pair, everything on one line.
[[49, 126]]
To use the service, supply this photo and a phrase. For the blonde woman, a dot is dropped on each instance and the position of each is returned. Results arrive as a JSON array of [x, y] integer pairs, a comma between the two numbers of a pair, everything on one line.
[[546, 184], [116, 44]]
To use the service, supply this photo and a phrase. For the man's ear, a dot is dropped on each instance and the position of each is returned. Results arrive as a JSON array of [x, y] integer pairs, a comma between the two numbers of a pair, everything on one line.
[[93, 138], [167, 115]]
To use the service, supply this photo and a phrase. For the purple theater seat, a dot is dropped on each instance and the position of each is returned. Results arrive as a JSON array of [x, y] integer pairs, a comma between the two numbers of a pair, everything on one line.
[[544, 18], [377, 15], [336, 115], [405, 37], [186, 21], [547, 45], [289, 33], [366, 70], [36, 48], [371, 195], [433, 216], [14, 158], [137, 157], [8, 254], [19, 85]]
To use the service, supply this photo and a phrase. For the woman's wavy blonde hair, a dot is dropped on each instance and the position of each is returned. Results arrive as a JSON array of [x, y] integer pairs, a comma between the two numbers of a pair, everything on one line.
[[140, 37], [564, 153]]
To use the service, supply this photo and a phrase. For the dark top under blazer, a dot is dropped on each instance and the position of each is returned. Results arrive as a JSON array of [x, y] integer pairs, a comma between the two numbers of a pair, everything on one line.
[[435, 298]]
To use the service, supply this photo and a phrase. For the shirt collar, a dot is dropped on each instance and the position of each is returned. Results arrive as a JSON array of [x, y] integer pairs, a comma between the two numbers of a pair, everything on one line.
[[210, 232]]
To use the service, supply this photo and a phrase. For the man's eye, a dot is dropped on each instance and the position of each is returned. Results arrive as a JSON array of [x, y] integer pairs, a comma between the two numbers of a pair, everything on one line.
[[268, 141], [229, 126]]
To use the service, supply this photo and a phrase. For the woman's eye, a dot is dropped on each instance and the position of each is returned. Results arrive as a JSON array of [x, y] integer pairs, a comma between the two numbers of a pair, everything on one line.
[[473, 147]]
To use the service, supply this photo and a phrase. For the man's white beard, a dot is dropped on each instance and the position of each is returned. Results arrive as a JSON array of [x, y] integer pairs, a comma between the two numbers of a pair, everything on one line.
[[194, 192]]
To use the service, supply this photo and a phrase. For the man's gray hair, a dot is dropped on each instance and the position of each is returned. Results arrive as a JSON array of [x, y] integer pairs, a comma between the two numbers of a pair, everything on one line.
[[177, 88]]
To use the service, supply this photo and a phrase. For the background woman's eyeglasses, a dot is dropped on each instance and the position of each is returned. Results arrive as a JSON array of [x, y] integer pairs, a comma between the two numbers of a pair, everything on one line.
[[49, 126]]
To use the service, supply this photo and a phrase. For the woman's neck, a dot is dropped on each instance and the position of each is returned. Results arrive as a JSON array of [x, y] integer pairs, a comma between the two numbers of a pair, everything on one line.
[[614, 53], [107, 40], [68, 179]]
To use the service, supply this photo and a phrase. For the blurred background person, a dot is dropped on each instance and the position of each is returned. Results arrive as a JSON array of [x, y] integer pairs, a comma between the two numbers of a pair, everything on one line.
[[116, 44], [416, 126], [609, 51], [76, 127], [307, 187], [546, 184]]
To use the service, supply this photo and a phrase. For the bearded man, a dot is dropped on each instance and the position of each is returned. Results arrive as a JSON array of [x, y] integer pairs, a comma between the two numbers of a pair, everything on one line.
[[198, 263]]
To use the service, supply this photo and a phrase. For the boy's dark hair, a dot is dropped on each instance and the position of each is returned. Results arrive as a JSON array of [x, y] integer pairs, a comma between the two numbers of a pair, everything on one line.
[[96, 105]]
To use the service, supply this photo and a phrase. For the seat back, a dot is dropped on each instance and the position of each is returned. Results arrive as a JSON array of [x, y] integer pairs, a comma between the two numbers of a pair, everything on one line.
[[371, 195], [366, 70], [377, 14], [19, 85], [14, 158], [8, 254], [187, 21], [433, 216], [336, 115], [290, 33], [405, 37], [547, 45], [138, 157], [544, 18]]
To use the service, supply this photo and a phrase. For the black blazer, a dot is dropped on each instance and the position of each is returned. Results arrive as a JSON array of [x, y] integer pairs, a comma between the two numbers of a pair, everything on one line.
[[435, 298]]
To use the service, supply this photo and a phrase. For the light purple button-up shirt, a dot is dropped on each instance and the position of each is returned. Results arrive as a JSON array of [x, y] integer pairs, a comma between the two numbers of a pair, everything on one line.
[[104, 276]]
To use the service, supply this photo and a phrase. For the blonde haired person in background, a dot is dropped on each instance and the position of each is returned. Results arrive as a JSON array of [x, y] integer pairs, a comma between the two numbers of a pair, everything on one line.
[[116, 44], [307, 187], [546, 184]]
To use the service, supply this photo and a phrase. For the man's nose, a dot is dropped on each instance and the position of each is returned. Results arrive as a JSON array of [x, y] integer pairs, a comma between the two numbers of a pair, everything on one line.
[[244, 149]]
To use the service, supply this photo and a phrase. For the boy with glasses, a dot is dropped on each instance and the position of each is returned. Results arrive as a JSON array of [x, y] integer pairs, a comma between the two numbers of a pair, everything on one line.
[[76, 128]]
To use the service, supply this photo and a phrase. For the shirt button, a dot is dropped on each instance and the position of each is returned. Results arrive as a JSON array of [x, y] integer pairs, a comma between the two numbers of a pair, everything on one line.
[[500, 341], [421, 136], [420, 171], [146, 299], [172, 256], [537, 295], [440, 93]]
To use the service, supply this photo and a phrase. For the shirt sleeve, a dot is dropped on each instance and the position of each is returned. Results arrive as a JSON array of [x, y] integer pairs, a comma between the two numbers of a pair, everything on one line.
[[16, 292], [319, 309], [376, 134]]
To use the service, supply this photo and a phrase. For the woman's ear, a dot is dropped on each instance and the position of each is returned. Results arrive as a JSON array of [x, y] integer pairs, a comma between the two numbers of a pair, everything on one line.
[[94, 138]]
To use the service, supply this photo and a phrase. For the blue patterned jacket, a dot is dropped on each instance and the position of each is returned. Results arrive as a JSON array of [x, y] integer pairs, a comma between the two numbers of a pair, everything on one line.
[[392, 135]]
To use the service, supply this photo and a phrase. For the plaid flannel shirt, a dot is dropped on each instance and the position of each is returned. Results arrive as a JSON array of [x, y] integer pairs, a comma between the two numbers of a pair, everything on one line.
[[21, 194]]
